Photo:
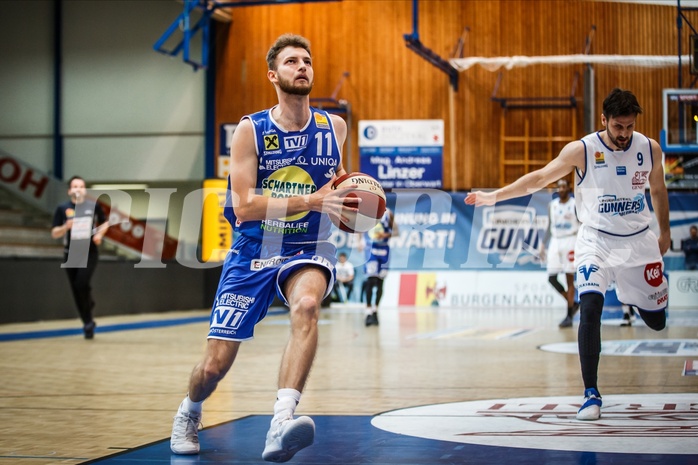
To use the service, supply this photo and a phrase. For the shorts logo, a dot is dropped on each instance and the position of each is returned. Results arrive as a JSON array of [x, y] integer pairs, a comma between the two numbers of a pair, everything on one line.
[[259, 264], [570, 256], [653, 274], [587, 271], [227, 317]]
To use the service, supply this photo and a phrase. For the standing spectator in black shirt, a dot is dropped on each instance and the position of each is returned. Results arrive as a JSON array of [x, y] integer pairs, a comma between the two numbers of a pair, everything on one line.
[[77, 221]]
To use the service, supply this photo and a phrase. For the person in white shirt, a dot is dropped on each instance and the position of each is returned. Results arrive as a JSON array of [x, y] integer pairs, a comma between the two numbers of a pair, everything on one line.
[[344, 283], [560, 238]]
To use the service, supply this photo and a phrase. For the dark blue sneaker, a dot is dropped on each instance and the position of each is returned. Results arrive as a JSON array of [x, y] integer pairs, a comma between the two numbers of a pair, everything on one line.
[[89, 330]]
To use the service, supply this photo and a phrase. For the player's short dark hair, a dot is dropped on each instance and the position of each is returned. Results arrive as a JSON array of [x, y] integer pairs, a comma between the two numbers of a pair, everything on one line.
[[621, 103], [70, 181], [286, 40]]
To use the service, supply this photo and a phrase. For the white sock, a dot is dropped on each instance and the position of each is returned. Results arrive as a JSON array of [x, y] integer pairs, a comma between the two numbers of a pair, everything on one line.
[[192, 407], [369, 311], [286, 402]]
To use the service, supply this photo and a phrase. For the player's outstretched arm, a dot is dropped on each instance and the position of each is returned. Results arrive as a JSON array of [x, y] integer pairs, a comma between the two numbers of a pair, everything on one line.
[[571, 156]]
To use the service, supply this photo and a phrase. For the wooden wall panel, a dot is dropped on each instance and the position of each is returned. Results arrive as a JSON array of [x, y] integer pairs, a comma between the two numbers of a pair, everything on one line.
[[388, 81]]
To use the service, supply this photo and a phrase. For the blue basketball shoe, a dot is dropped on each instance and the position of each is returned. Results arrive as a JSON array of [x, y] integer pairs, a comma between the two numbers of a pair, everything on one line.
[[591, 408]]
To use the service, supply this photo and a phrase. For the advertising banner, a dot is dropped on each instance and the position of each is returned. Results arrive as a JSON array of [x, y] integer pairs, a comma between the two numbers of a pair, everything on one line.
[[216, 234], [437, 231], [402, 153], [683, 289], [681, 170], [46, 192]]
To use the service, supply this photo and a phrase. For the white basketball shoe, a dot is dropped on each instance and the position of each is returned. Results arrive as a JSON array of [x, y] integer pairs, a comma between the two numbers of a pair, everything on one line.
[[185, 432], [287, 437]]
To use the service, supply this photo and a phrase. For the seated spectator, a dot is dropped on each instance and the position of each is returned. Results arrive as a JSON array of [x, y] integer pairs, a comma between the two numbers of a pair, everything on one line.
[[344, 283], [690, 249]]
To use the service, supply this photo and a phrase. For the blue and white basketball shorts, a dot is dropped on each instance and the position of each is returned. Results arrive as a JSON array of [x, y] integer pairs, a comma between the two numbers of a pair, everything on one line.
[[377, 264], [561, 255], [633, 262], [253, 274]]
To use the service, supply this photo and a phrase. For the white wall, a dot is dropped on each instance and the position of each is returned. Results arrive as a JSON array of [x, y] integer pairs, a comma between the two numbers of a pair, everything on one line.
[[129, 113]]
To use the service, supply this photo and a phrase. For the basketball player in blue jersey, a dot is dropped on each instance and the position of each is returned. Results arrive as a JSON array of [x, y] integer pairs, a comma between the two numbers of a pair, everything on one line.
[[279, 203], [377, 263], [612, 168]]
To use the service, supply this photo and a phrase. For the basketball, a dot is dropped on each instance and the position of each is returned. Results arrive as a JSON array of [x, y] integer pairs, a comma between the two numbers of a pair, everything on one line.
[[372, 204]]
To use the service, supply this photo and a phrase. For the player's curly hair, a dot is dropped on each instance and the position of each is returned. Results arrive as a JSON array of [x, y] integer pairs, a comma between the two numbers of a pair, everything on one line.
[[286, 40]]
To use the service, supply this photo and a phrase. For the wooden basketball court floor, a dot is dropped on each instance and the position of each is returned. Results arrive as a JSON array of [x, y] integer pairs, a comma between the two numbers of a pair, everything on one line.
[[428, 386]]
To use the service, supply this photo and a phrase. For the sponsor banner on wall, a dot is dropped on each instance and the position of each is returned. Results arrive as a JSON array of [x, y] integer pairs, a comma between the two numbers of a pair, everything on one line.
[[402, 153], [683, 212], [225, 135], [30, 184], [683, 289], [507, 289], [216, 234], [681, 170], [437, 231], [501, 289], [46, 192]]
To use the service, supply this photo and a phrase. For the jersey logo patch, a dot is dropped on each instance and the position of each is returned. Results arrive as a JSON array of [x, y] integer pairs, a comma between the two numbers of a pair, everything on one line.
[[321, 121], [640, 179], [271, 142]]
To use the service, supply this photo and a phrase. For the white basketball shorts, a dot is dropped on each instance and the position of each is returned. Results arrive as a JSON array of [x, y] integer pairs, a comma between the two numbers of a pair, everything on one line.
[[560, 255], [633, 262]]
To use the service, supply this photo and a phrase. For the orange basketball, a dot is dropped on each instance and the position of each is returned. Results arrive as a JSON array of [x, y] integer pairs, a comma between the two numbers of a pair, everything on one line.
[[372, 204]]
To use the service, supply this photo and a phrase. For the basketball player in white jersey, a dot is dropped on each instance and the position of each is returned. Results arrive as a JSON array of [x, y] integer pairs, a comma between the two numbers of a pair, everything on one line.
[[612, 168], [560, 238]]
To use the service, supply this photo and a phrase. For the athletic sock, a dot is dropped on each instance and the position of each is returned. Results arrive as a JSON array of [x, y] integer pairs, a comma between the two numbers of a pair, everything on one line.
[[286, 401], [192, 407]]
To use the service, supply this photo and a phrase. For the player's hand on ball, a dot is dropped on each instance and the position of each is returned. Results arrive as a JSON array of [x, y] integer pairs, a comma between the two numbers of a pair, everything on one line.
[[335, 201], [359, 217]]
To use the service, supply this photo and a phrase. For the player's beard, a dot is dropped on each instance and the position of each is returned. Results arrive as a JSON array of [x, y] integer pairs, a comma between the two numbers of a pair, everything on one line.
[[295, 89], [620, 144]]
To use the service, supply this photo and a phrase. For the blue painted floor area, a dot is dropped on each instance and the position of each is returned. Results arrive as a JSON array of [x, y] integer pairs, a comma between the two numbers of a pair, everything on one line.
[[150, 324], [4, 337], [348, 440]]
